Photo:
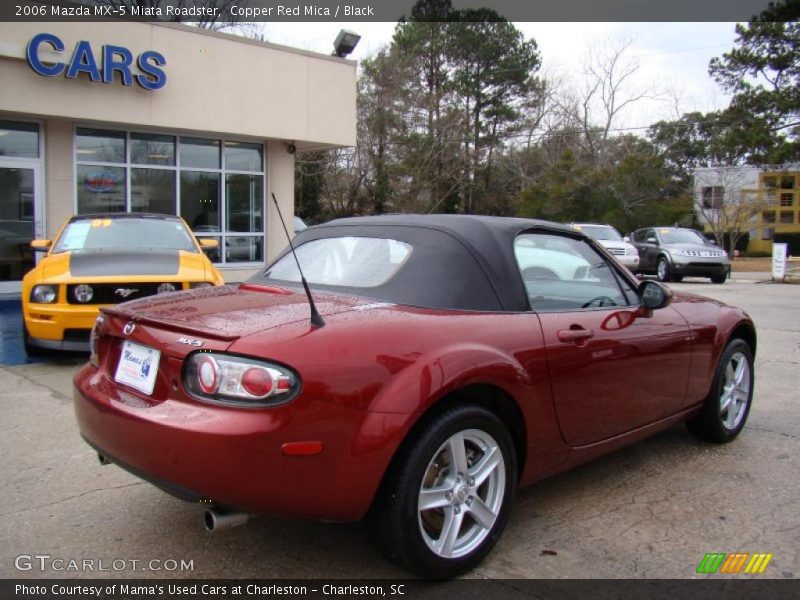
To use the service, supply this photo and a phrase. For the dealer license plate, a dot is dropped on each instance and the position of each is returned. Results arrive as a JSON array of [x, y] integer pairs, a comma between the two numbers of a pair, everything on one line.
[[138, 366]]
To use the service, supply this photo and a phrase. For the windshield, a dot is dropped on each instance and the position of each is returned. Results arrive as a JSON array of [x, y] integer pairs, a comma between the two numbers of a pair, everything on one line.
[[359, 262], [121, 233], [681, 236], [600, 232]]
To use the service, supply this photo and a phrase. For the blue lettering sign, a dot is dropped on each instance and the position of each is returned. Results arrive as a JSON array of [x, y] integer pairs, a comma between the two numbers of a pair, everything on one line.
[[33, 54], [117, 59], [114, 60], [159, 78]]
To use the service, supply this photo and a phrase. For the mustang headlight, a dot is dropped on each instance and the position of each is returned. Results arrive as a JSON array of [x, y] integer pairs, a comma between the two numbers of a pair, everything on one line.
[[166, 287], [83, 293], [44, 294], [232, 379]]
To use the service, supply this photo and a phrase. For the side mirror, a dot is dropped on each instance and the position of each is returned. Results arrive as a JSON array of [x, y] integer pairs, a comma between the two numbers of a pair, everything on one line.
[[626, 239], [41, 245], [652, 240], [208, 244], [713, 242], [654, 295]]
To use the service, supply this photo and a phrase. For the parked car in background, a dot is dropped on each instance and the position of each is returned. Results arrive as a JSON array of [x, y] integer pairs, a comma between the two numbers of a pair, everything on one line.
[[299, 225], [440, 369], [672, 253], [610, 238], [104, 259]]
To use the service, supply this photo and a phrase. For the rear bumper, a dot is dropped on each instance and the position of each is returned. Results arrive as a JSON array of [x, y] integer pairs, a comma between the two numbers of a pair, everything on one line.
[[233, 456]]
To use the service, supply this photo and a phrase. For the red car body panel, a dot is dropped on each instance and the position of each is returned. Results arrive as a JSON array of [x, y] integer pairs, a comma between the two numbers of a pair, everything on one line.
[[371, 374]]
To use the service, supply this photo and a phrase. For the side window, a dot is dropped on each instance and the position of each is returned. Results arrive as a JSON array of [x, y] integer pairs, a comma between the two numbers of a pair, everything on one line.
[[639, 235], [562, 273]]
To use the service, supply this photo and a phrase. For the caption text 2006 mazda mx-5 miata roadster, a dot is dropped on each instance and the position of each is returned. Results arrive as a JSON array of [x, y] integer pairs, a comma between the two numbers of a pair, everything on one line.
[[452, 359]]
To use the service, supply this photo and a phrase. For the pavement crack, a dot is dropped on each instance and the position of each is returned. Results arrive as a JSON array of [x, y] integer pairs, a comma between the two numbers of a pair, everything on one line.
[[790, 435], [69, 498]]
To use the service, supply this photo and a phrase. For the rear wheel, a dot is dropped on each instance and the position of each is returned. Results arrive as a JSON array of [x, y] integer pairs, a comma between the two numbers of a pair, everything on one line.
[[726, 408], [663, 270], [446, 502]]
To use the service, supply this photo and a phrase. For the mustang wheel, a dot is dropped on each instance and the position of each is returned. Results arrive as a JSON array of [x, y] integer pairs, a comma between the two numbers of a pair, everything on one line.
[[446, 503], [663, 270], [728, 404]]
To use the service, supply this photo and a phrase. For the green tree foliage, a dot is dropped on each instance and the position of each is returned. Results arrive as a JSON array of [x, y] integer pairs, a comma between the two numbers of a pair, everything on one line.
[[763, 73], [636, 190]]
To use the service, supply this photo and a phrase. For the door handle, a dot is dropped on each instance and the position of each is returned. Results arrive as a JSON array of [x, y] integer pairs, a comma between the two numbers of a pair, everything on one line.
[[575, 335]]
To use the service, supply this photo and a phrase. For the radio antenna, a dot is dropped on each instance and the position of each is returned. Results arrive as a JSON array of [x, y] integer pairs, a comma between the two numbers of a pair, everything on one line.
[[316, 318]]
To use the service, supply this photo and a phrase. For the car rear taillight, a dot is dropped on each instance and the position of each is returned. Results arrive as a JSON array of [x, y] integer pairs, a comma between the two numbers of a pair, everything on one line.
[[93, 336], [231, 379]]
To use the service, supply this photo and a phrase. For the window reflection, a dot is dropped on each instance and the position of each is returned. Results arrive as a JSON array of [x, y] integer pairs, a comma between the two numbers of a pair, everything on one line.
[[19, 139]]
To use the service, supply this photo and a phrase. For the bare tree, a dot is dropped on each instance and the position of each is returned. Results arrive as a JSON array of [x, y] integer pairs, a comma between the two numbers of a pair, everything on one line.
[[728, 201], [608, 88]]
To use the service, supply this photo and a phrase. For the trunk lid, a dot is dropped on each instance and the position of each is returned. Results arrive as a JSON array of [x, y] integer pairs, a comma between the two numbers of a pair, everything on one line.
[[230, 312]]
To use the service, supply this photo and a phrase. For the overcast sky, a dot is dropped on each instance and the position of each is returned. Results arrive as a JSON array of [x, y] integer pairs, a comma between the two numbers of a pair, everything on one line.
[[673, 57]]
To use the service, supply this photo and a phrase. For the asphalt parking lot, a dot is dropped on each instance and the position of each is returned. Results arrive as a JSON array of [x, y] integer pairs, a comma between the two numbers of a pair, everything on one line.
[[650, 511]]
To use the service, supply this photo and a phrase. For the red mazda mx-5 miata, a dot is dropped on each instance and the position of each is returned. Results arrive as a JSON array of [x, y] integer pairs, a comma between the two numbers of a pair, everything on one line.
[[449, 360]]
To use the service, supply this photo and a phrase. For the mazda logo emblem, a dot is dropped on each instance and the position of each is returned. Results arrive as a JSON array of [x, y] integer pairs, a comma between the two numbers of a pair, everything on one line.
[[129, 327]]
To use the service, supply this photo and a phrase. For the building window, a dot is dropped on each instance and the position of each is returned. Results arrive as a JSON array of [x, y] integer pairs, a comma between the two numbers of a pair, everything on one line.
[[217, 186], [20, 140], [786, 199], [787, 182], [712, 196], [787, 217], [770, 182], [767, 233], [768, 216]]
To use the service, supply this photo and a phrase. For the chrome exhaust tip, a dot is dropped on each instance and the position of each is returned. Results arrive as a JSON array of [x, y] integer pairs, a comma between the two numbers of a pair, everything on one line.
[[215, 519]]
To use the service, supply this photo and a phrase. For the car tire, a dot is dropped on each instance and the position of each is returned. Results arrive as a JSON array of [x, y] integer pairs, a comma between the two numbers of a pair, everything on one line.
[[663, 271], [719, 278], [727, 405], [471, 502]]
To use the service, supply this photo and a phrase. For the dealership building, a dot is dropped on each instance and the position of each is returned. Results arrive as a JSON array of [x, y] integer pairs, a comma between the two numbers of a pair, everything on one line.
[[163, 118]]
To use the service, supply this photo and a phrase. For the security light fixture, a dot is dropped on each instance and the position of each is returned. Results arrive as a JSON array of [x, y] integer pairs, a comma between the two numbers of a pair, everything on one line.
[[345, 43]]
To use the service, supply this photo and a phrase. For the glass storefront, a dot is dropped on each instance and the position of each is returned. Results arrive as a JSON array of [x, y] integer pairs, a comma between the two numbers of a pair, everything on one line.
[[19, 186], [216, 185]]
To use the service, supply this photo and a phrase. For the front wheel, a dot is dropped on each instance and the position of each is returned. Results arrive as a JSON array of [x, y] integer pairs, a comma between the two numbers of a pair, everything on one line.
[[446, 502], [719, 278], [663, 270], [726, 408]]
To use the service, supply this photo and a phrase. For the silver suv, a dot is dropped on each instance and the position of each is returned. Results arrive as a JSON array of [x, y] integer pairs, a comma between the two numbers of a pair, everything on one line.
[[673, 252], [610, 238]]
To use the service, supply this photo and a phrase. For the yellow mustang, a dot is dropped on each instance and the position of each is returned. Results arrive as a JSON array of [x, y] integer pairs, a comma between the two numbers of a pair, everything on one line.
[[97, 260]]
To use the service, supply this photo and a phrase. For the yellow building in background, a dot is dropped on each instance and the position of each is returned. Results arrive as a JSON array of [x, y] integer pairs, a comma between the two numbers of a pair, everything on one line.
[[763, 201]]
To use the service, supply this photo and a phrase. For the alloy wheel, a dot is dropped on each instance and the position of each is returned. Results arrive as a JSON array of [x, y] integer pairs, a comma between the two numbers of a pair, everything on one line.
[[735, 391], [462, 493]]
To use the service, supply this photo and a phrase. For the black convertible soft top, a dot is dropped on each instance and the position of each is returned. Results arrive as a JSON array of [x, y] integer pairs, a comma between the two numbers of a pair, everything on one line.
[[458, 261]]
